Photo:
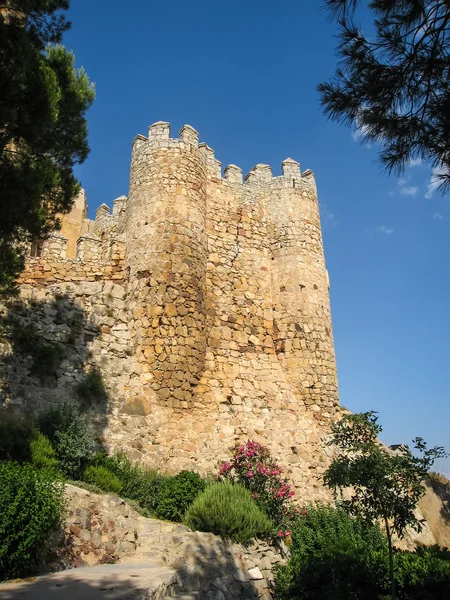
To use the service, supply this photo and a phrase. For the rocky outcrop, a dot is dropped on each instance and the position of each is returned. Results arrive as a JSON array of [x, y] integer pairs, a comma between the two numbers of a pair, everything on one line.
[[435, 507]]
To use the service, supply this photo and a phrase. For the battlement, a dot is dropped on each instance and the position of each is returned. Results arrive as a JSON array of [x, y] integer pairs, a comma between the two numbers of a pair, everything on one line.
[[259, 176]]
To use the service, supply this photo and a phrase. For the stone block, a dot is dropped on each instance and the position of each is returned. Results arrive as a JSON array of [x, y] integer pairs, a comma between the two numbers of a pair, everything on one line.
[[137, 406]]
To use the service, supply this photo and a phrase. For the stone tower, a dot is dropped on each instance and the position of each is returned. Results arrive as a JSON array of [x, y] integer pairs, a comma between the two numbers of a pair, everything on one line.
[[166, 257], [207, 299], [222, 271]]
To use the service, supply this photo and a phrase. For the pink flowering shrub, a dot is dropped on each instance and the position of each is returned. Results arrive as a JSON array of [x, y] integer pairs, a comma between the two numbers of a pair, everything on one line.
[[252, 466]]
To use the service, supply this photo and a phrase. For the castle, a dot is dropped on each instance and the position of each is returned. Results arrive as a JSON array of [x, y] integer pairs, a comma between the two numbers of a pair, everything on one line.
[[205, 307]]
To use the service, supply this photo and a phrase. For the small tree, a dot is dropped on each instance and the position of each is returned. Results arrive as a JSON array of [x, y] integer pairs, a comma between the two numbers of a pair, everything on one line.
[[386, 485]]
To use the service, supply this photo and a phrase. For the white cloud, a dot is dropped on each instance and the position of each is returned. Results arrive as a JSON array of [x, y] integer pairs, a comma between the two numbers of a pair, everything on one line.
[[415, 162], [406, 190], [437, 216], [359, 132], [383, 230], [435, 180], [328, 217], [409, 190]]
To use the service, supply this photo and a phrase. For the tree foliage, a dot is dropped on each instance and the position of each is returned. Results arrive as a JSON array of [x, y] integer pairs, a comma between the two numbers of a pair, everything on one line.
[[43, 129], [71, 437], [394, 85], [383, 485]]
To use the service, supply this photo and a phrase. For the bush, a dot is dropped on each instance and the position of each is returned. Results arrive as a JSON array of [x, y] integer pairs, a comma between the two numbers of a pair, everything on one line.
[[42, 453], [138, 484], [91, 390], [252, 466], [103, 478], [16, 434], [227, 509], [177, 494], [71, 438], [333, 557], [337, 557], [423, 574], [31, 508]]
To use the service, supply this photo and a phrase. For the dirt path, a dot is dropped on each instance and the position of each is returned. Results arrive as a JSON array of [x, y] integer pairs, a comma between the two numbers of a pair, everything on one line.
[[140, 581]]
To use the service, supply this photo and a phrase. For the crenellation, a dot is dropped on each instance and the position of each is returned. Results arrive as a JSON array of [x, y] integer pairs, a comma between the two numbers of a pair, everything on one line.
[[213, 166], [158, 132], [138, 142], [291, 169], [119, 205], [189, 135], [233, 174], [260, 175], [55, 246], [89, 247], [103, 211], [210, 307]]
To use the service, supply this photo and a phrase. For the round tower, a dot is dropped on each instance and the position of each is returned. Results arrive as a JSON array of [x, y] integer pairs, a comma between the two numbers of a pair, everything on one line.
[[303, 334], [166, 262]]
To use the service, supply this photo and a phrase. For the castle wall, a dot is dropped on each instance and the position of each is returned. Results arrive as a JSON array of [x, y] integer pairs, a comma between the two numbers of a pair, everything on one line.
[[204, 303]]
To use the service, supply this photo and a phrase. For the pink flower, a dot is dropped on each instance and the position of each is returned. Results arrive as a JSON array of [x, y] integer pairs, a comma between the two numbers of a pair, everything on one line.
[[224, 468], [250, 474]]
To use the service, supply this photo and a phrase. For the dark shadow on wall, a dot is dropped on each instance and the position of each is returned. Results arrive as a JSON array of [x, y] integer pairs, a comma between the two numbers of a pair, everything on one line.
[[212, 571], [45, 359], [441, 487]]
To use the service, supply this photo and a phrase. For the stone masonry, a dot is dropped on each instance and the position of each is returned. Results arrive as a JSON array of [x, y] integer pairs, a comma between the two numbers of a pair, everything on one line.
[[205, 308]]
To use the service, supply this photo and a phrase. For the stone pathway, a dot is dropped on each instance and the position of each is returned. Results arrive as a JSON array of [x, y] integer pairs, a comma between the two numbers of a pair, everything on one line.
[[154, 559], [140, 581]]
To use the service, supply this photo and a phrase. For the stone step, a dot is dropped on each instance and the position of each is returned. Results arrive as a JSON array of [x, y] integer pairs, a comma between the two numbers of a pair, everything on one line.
[[140, 581]]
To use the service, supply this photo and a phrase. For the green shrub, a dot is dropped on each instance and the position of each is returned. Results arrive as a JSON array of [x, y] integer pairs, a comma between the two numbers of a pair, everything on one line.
[[138, 484], [227, 509], [333, 557], [42, 453], [103, 478], [423, 574], [177, 494], [31, 508], [71, 438], [16, 434], [91, 390], [337, 557]]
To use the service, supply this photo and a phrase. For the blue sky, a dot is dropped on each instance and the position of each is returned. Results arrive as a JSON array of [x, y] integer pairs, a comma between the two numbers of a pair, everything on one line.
[[244, 74]]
